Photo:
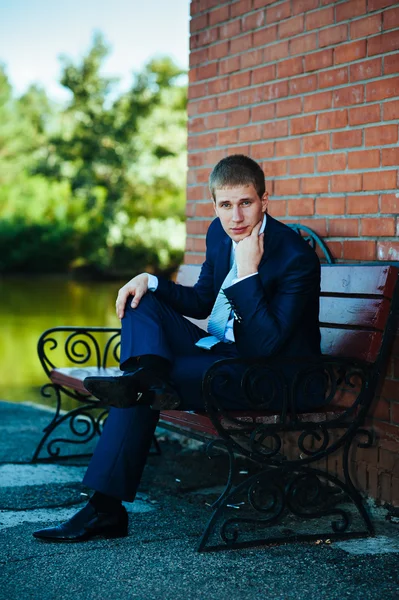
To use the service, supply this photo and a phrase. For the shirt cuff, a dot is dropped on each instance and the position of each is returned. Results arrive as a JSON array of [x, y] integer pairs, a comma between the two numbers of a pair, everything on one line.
[[237, 279], [152, 282]]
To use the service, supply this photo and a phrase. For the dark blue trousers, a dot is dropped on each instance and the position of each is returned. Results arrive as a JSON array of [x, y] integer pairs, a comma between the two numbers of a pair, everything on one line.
[[151, 328]]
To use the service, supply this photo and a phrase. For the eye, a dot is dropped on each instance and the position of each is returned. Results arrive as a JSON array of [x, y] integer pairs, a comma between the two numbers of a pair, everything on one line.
[[246, 202], [225, 205]]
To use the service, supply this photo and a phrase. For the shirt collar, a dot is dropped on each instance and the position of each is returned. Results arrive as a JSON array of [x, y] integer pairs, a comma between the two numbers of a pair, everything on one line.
[[261, 230]]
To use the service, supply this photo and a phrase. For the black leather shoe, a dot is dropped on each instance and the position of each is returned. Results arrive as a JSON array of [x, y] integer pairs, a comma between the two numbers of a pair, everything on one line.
[[143, 386], [86, 524]]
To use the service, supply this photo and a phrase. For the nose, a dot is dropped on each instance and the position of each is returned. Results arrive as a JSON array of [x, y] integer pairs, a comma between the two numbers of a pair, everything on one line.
[[237, 214]]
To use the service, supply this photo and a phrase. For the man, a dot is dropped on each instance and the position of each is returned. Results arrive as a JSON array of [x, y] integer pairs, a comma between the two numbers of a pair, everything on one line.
[[260, 283]]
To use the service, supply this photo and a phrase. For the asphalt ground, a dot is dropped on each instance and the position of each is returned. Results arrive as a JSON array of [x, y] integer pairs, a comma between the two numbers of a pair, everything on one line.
[[158, 559]]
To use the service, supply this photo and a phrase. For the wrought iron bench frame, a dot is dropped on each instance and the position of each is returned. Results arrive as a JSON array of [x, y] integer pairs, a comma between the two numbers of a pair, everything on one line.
[[285, 483]]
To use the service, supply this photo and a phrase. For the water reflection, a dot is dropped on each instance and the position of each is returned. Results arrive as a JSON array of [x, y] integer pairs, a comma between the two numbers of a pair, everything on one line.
[[27, 308]]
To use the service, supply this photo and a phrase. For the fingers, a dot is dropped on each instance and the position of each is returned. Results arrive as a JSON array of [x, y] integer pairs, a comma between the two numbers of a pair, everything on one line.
[[121, 301], [136, 300]]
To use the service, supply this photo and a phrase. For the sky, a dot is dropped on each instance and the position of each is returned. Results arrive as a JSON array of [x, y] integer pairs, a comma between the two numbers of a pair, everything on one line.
[[34, 33]]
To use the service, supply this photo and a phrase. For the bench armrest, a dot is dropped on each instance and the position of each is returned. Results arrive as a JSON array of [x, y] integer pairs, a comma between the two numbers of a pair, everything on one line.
[[83, 346]]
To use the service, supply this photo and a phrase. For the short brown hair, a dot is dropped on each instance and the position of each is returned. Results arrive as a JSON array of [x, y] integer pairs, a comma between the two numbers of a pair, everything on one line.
[[237, 170]]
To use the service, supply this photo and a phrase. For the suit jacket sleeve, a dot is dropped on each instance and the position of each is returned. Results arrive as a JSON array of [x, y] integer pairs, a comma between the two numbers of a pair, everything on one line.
[[196, 301], [265, 324]]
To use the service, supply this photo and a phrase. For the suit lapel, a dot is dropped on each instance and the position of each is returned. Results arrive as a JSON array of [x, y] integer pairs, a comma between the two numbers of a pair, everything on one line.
[[222, 264]]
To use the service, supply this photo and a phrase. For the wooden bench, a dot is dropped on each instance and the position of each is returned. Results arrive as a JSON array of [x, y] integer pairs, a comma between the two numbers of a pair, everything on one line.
[[302, 477]]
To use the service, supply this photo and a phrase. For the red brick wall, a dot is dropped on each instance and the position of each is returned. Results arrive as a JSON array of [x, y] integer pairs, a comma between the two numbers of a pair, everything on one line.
[[310, 89]]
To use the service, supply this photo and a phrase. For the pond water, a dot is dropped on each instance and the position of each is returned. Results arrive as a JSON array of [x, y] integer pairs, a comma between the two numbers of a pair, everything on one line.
[[27, 308]]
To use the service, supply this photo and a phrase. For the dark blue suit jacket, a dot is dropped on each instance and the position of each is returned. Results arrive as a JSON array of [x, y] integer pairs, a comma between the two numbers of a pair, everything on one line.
[[277, 309]]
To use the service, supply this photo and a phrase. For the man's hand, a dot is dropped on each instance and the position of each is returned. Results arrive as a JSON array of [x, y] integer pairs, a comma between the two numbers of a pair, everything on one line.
[[137, 287], [249, 252]]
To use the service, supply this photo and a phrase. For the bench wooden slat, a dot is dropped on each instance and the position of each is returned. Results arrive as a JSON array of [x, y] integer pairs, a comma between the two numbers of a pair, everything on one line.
[[351, 343], [359, 312]]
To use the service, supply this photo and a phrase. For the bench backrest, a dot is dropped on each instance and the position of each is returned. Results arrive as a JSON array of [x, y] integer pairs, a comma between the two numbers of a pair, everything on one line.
[[356, 307]]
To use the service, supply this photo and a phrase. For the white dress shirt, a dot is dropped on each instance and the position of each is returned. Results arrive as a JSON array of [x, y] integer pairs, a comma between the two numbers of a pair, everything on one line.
[[229, 332]]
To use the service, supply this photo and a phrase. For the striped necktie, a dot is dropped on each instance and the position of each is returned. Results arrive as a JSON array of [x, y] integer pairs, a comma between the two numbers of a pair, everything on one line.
[[220, 314]]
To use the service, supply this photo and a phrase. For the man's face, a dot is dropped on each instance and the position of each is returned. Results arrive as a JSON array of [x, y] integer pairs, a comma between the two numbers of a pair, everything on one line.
[[239, 210]]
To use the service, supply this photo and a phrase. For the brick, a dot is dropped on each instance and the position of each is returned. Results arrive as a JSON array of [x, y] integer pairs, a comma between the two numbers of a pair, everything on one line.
[[359, 250], [381, 90], [197, 91], [301, 206], [198, 56], [275, 90], [288, 147], [219, 15], [332, 120], [346, 183], [263, 112], [262, 151], [390, 157], [216, 121], [365, 27], [299, 85], [204, 209], [263, 74], [206, 140], [241, 44], [198, 22], [196, 160], [381, 180], [391, 64], [291, 106], [301, 6], [251, 59], [277, 208], [240, 80], [382, 135], [195, 193], [380, 44], [334, 77], [350, 9], [230, 29], [357, 205], [315, 185], [275, 168], [380, 410], [190, 209], [193, 259], [238, 117], [364, 114], [348, 53], [302, 45], [279, 12], [350, 95], [267, 35], [251, 133], [330, 206], [241, 7], [391, 110], [378, 226], [317, 225], [197, 227], [229, 136], [319, 18], [331, 162], [262, 3], [343, 227], [218, 51], [316, 143], [227, 101], [253, 21], [377, 4], [317, 102], [388, 251], [364, 159], [347, 139], [287, 187], [390, 205], [213, 156], [301, 165], [229, 65], [287, 68], [302, 125], [333, 35], [390, 19], [196, 125], [208, 36], [275, 129], [218, 86], [291, 27], [319, 60], [251, 96], [276, 51]]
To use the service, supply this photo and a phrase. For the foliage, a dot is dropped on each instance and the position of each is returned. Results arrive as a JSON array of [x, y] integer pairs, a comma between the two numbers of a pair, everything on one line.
[[71, 176]]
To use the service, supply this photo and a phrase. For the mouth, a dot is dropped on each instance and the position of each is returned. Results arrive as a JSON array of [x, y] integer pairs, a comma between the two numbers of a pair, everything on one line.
[[238, 230]]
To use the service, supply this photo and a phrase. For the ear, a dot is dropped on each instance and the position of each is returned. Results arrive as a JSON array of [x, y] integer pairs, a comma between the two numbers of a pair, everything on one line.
[[214, 207], [265, 201]]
